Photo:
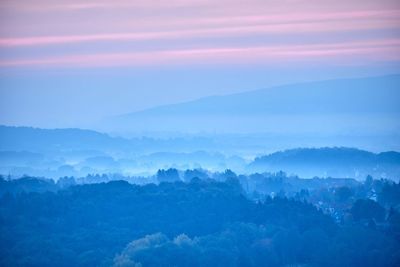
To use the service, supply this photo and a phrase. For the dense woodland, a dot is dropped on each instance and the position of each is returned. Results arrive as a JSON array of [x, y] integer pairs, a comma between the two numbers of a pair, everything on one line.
[[195, 218]]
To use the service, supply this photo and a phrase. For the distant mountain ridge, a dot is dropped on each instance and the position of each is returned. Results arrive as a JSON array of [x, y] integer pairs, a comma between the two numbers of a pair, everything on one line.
[[381, 88], [359, 102]]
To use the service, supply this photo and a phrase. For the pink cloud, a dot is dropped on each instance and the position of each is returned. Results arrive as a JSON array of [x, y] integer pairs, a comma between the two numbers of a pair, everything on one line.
[[207, 4], [205, 19], [342, 52], [367, 20], [71, 5]]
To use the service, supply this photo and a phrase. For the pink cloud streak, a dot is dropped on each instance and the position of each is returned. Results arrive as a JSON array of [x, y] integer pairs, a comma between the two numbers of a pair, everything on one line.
[[372, 50], [295, 24]]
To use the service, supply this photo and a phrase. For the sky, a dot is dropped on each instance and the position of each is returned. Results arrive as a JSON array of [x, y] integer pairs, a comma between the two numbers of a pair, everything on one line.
[[71, 63]]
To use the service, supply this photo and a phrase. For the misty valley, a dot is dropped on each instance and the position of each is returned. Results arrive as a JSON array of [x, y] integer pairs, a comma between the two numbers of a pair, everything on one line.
[[71, 197]]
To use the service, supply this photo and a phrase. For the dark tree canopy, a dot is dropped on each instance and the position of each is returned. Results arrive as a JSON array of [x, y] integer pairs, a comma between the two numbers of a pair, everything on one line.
[[199, 223]]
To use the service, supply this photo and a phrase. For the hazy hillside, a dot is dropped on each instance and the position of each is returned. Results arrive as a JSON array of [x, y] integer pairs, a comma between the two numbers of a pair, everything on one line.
[[60, 152], [335, 162], [35, 139], [327, 106]]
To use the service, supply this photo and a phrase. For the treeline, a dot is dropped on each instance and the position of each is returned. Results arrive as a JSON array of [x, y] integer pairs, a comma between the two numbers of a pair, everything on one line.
[[202, 222], [256, 185]]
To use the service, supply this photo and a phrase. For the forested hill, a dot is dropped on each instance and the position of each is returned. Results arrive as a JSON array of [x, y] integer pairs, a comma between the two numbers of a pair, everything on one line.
[[336, 162]]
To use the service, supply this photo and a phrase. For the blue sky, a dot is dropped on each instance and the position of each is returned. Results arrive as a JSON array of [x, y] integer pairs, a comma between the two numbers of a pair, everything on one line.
[[65, 64]]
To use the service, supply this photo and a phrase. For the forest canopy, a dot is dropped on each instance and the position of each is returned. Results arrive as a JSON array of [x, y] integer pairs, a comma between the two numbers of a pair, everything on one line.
[[201, 222]]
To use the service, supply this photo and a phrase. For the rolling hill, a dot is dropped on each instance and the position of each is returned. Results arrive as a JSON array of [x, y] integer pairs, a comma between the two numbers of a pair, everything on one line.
[[333, 161]]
